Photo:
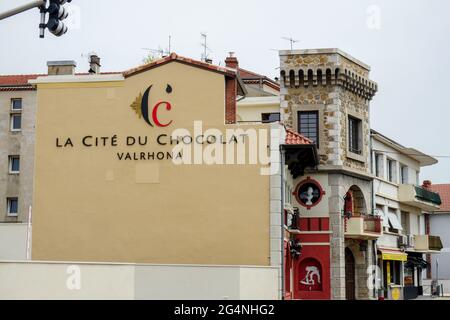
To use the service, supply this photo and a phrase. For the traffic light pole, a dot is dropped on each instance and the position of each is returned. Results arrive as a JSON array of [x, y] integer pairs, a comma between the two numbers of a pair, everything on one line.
[[23, 8]]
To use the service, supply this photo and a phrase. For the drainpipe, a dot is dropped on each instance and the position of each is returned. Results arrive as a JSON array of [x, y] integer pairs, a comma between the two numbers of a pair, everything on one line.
[[282, 151], [374, 242]]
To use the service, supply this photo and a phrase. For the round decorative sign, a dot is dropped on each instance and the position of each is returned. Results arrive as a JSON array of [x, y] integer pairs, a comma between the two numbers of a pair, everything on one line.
[[309, 193]]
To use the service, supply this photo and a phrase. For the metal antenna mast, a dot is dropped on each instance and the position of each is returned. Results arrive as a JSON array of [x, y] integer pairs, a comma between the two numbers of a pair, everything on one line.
[[170, 45], [292, 41], [205, 47]]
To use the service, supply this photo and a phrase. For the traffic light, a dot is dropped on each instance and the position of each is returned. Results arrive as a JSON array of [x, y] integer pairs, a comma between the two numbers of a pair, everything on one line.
[[57, 12]]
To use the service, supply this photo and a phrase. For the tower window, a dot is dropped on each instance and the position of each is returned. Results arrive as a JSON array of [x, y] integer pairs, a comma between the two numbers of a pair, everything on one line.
[[354, 135], [308, 125]]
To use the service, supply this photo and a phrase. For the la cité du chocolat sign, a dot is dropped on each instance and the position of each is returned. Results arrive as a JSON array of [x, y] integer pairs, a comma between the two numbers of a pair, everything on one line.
[[142, 109]]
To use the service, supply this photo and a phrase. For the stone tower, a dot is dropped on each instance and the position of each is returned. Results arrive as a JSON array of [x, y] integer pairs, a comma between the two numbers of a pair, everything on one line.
[[325, 96]]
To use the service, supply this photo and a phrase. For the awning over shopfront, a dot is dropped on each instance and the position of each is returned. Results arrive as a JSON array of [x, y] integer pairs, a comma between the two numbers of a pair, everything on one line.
[[393, 255], [416, 262]]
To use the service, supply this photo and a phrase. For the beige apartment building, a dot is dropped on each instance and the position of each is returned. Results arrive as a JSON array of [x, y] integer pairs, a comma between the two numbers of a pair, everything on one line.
[[17, 126], [17, 116]]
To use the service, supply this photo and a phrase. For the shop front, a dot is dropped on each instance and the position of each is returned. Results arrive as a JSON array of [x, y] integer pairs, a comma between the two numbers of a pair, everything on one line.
[[391, 263], [414, 267]]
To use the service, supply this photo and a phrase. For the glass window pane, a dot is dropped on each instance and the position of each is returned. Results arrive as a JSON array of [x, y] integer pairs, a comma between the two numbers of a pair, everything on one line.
[[15, 164], [16, 122], [17, 104], [270, 117], [13, 206]]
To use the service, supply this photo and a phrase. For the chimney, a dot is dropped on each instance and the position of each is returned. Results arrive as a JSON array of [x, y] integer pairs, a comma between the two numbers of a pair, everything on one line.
[[426, 184], [94, 63], [59, 68], [231, 90], [232, 62]]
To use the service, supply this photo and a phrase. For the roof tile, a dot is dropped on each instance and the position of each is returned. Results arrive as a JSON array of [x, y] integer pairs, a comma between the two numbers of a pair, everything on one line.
[[444, 192], [293, 137], [17, 80]]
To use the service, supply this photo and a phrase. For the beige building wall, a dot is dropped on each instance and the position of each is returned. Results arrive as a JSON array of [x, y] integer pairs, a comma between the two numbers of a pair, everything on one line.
[[89, 206], [251, 109]]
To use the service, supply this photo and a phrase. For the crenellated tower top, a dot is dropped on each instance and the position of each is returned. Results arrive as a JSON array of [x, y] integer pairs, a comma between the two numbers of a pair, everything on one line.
[[321, 67]]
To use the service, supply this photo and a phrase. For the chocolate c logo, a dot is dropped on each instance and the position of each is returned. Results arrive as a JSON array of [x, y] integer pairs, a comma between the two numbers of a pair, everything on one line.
[[141, 107]]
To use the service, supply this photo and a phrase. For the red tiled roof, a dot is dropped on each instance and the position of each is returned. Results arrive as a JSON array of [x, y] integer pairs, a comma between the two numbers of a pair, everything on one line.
[[293, 137], [253, 77], [17, 80], [444, 192], [246, 74], [174, 57]]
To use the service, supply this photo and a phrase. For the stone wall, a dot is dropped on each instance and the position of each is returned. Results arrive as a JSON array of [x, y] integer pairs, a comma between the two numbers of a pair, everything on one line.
[[335, 85]]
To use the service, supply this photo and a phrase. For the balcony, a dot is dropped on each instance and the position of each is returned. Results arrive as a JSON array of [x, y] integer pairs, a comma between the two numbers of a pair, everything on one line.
[[427, 244], [363, 227], [419, 197]]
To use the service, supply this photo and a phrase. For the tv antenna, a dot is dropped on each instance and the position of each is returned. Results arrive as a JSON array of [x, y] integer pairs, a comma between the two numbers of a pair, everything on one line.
[[158, 53], [292, 41], [170, 45], [206, 49]]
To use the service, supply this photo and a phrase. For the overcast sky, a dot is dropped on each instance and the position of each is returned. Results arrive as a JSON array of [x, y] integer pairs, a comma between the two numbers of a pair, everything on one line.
[[406, 42]]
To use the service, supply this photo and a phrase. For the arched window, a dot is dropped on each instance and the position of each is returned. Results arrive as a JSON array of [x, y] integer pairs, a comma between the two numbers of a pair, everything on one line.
[[292, 78], [301, 75], [319, 76], [310, 77], [328, 75]]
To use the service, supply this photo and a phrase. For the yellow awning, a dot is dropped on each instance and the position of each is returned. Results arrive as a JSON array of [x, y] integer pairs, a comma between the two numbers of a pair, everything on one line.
[[393, 255]]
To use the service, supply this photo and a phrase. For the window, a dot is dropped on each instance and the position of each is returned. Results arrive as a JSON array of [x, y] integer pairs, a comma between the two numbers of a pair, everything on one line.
[[379, 165], [13, 207], [354, 135], [404, 174], [417, 177], [391, 170], [394, 225], [405, 222], [16, 104], [16, 122], [14, 164], [391, 270], [308, 125], [380, 211], [270, 117]]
